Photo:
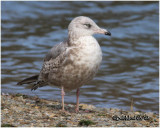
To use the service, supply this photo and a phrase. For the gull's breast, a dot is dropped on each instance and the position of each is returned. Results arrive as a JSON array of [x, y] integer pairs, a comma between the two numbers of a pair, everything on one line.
[[86, 57], [89, 52]]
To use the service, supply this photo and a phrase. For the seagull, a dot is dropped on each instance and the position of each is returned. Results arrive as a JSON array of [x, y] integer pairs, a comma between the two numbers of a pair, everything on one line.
[[72, 63]]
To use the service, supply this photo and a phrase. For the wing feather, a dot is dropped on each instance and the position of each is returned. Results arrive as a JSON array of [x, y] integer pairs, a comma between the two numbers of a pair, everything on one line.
[[53, 60], [56, 51]]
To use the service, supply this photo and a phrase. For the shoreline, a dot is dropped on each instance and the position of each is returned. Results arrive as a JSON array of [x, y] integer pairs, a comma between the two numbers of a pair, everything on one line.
[[20, 110]]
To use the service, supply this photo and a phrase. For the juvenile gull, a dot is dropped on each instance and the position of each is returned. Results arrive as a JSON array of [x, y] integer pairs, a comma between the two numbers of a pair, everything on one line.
[[71, 64]]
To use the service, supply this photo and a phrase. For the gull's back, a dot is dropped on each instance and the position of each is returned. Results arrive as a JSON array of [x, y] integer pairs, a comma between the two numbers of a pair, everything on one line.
[[56, 51]]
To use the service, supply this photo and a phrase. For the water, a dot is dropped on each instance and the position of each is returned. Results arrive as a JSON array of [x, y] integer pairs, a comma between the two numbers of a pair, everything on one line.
[[130, 56]]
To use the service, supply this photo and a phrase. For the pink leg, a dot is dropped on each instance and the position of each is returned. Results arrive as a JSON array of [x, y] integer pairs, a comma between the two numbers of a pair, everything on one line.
[[62, 93], [77, 105]]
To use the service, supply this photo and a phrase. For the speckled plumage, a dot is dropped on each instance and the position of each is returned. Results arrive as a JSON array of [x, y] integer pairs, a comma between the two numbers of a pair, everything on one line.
[[74, 66], [73, 63]]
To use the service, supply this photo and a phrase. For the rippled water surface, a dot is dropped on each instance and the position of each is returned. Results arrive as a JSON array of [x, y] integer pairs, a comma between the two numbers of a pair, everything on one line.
[[130, 56]]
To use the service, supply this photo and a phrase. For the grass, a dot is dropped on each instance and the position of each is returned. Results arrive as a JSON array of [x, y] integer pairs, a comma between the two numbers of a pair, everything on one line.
[[131, 108], [61, 125], [24, 96], [101, 114], [7, 125], [86, 123]]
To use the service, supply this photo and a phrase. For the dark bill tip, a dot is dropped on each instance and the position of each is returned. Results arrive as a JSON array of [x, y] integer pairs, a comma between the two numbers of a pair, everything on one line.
[[108, 33]]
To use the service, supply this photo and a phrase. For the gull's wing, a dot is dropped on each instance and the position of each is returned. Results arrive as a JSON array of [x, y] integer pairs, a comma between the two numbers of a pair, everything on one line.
[[56, 51], [53, 60]]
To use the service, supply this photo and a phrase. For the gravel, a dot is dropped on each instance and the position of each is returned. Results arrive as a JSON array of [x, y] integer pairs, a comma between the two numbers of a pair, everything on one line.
[[25, 111]]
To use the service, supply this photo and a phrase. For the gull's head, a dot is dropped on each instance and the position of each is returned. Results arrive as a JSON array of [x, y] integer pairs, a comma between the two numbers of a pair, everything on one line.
[[84, 26]]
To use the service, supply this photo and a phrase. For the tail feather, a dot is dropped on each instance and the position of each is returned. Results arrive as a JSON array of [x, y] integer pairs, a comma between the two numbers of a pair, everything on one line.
[[38, 85], [28, 80]]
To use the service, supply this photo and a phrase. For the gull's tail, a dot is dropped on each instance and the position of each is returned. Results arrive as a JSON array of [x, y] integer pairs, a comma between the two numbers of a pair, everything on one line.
[[29, 80], [33, 79]]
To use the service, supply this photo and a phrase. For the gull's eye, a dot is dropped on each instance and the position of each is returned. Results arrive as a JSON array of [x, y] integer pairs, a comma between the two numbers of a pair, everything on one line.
[[88, 25]]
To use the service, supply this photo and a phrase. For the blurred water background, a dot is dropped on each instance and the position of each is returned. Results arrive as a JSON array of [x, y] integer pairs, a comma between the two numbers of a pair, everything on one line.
[[130, 56]]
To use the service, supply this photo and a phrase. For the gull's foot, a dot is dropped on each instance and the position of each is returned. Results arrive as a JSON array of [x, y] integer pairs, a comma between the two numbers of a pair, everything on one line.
[[63, 111], [77, 110]]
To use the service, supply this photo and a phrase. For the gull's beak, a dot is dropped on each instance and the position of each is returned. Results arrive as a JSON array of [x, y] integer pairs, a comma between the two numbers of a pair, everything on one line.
[[108, 33], [103, 31]]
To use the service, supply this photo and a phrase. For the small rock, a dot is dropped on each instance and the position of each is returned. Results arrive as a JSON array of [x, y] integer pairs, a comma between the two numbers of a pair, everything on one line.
[[138, 125], [150, 114], [36, 107], [70, 105], [137, 113], [5, 109], [28, 104], [85, 106], [121, 124], [52, 115], [88, 116], [131, 114]]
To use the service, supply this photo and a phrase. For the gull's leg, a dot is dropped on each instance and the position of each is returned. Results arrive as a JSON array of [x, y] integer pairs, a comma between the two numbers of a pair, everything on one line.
[[62, 93], [77, 105]]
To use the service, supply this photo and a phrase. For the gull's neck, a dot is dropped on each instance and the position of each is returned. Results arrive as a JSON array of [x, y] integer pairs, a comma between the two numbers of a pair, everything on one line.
[[73, 37]]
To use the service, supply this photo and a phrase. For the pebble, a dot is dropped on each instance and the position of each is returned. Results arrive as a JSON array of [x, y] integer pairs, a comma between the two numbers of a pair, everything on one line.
[[137, 113], [149, 114], [85, 106], [52, 115]]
